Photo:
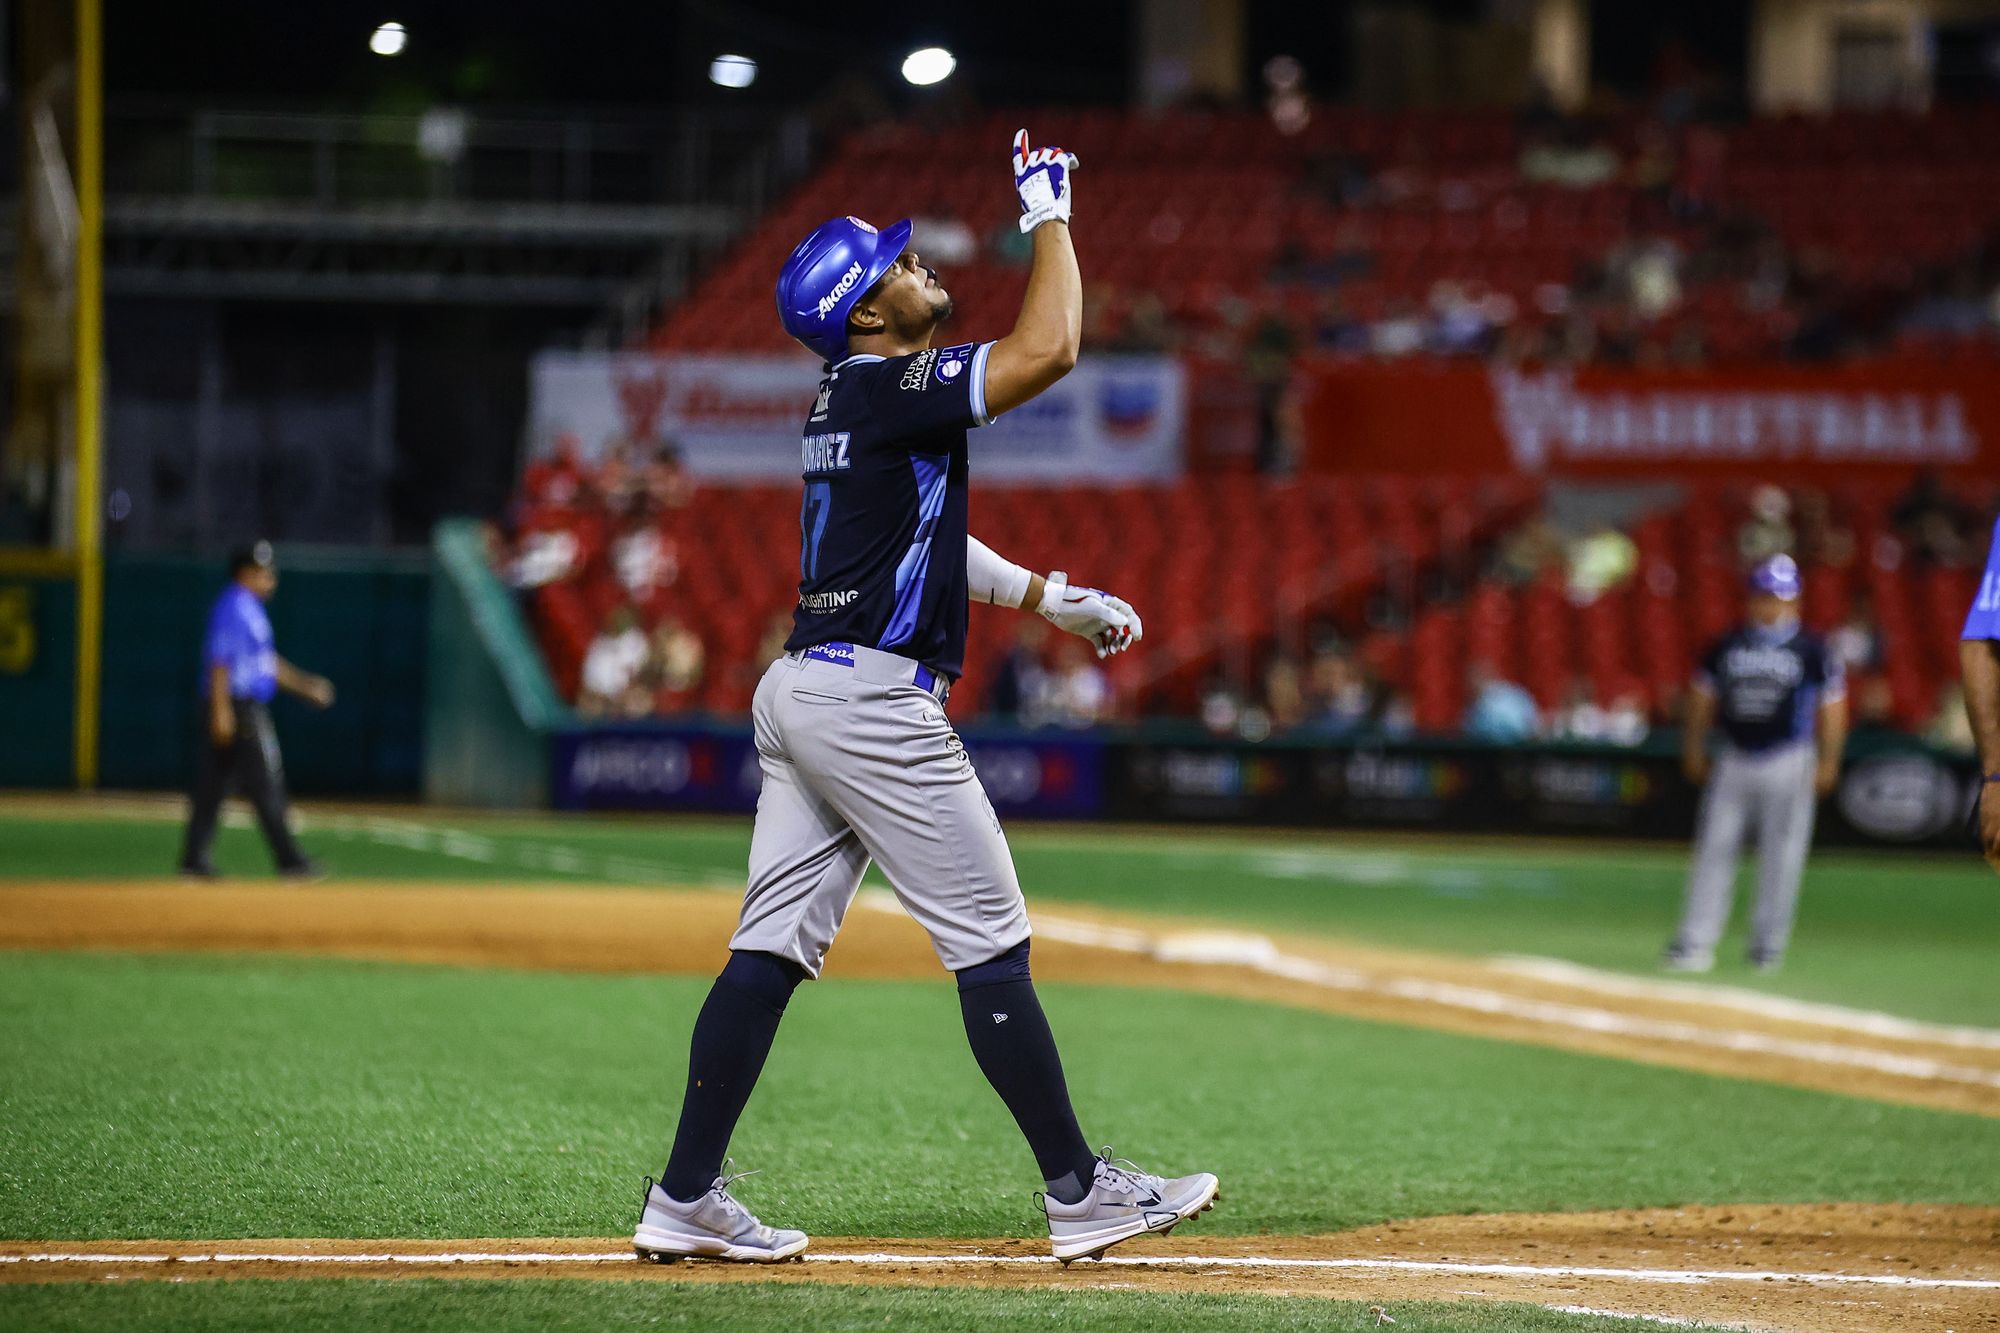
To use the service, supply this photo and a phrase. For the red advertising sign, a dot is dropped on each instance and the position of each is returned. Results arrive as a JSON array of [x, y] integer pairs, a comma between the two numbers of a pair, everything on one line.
[[1881, 418]]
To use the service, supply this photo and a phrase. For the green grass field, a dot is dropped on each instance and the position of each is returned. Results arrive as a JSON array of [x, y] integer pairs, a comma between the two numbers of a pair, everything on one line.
[[215, 1097], [1912, 934], [300, 1098], [499, 1307]]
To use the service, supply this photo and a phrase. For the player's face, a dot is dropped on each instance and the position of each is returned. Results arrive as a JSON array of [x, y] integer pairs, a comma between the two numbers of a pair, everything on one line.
[[906, 304], [261, 581], [1767, 609]]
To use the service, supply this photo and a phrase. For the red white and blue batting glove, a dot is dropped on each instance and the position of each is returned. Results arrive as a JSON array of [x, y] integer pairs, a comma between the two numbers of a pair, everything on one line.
[[1041, 178], [1108, 622]]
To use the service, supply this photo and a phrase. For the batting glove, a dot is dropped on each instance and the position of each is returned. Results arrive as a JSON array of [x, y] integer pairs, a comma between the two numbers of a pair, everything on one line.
[[1041, 178], [1108, 622]]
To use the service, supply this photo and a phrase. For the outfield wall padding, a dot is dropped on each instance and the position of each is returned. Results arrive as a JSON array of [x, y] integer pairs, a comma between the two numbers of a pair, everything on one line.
[[492, 704]]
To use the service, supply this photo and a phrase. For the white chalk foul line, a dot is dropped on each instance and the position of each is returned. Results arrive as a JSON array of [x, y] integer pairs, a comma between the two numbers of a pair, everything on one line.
[[878, 1258], [1549, 1013], [1868, 1022]]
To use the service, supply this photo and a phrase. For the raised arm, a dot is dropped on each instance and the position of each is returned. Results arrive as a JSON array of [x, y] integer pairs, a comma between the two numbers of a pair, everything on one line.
[[1043, 346]]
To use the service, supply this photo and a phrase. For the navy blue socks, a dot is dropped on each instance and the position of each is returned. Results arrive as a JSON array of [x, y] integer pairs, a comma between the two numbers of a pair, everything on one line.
[[731, 1038], [1016, 1051]]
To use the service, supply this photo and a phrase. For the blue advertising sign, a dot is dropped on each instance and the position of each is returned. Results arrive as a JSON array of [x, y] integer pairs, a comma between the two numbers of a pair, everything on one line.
[[641, 767]]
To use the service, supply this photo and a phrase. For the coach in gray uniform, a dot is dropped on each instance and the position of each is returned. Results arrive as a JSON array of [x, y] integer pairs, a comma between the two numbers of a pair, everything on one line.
[[1779, 700]]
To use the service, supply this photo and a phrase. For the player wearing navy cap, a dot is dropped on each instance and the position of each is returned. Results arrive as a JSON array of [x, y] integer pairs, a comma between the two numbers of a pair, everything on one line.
[[1979, 660], [859, 761], [1779, 699], [241, 671]]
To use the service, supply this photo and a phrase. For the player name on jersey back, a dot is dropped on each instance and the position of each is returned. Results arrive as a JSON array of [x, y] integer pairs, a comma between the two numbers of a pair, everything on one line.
[[824, 453]]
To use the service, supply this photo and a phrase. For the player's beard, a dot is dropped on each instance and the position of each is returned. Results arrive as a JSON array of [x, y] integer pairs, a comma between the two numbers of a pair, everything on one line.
[[941, 309]]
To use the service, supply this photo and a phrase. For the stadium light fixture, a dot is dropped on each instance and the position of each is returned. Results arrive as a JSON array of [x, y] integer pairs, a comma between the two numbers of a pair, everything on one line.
[[388, 40], [728, 71], [932, 64]]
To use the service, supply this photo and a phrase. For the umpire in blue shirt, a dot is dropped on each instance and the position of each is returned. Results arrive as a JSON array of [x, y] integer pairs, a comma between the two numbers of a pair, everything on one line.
[[241, 671]]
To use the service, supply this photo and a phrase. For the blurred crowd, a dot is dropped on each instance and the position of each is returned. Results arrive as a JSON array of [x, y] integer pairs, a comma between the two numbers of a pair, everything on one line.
[[644, 658]]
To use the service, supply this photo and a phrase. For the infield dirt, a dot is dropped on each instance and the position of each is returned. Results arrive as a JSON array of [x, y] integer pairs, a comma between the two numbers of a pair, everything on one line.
[[1683, 1254]]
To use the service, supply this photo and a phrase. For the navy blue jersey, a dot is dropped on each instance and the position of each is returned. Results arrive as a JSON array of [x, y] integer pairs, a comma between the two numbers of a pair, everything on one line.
[[882, 526], [1768, 684]]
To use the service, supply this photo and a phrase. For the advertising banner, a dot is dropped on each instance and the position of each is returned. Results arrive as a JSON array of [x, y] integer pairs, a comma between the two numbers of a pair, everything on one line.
[[1888, 796], [1893, 794], [1113, 418], [1888, 418], [663, 767]]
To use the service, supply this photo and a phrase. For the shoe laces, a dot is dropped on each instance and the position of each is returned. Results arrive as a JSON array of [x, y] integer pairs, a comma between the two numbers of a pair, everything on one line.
[[1122, 1176], [720, 1189]]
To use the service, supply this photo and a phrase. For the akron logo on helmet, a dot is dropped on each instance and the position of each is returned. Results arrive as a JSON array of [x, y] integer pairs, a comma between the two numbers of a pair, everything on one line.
[[840, 289], [865, 226]]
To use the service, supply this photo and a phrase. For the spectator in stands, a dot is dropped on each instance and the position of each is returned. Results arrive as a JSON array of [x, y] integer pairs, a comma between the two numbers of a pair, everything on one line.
[[1856, 643], [1338, 700], [1582, 719], [1398, 717], [645, 561], [1528, 552], [1572, 155], [1336, 330], [665, 483], [1019, 679], [1768, 530], [1932, 522], [612, 670], [1599, 561], [1400, 332], [1284, 694], [1498, 711], [1950, 728], [1078, 692], [1221, 708], [1267, 365], [1824, 539], [675, 664]]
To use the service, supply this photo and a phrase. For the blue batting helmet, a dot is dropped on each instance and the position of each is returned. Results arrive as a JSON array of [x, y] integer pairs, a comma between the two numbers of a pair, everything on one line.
[[830, 271], [1778, 576]]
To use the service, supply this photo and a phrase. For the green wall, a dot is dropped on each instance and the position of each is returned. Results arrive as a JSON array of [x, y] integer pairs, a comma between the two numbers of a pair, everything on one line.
[[37, 679], [358, 617]]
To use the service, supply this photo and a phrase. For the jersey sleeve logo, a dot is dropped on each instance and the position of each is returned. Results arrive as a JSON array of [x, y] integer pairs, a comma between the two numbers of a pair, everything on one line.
[[952, 363], [918, 369]]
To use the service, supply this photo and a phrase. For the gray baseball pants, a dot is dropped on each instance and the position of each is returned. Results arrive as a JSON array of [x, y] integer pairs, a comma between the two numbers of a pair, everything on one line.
[[1773, 790], [860, 764]]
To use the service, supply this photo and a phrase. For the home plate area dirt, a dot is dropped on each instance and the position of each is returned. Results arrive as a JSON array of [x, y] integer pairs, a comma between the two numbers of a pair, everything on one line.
[[1822, 1268]]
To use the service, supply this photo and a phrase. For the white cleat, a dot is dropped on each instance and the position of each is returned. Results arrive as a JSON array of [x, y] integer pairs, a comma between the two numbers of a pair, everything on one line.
[[1125, 1202], [715, 1226]]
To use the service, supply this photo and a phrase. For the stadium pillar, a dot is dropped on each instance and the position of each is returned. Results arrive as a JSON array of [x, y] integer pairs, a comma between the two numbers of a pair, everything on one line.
[[1190, 48], [1560, 38], [89, 333]]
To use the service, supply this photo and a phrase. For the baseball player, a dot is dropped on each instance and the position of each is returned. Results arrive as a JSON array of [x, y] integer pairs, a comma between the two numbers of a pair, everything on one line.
[[239, 747], [1979, 662], [1780, 701], [859, 761]]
